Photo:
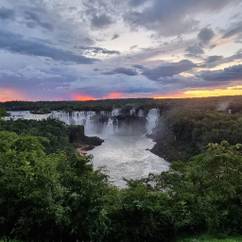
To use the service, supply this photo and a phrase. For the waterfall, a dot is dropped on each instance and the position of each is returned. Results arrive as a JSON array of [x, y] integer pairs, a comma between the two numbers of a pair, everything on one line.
[[152, 118], [115, 112], [124, 152], [103, 123]]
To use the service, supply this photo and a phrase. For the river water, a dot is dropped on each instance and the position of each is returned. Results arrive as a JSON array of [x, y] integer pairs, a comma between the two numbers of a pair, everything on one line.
[[125, 150]]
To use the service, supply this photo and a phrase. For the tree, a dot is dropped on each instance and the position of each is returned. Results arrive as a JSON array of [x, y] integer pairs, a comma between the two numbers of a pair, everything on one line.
[[48, 196], [2, 112], [139, 214], [206, 192], [29, 189]]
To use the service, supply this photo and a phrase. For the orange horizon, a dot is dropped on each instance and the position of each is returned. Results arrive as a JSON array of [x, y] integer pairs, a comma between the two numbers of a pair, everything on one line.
[[7, 94], [203, 93], [86, 97], [14, 94]]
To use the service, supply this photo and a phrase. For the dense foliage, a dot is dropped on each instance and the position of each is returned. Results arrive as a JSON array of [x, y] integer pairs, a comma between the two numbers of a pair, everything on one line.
[[207, 190], [48, 192], [186, 132], [56, 134], [46, 196], [45, 107], [2, 112]]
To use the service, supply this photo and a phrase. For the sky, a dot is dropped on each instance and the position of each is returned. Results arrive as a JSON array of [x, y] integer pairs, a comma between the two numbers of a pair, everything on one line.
[[96, 49]]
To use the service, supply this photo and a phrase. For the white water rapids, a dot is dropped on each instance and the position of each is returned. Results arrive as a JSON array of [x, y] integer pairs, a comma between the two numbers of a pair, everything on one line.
[[124, 152]]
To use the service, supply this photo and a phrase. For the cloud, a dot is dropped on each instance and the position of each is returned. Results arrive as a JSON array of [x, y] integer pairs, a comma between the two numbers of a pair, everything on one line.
[[101, 21], [235, 30], [170, 18], [6, 13], [133, 47], [115, 36], [212, 61], [38, 83], [168, 70], [138, 45], [136, 3], [233, 73], [236, 56], [98, 50], [205, 36], [33, 20], [49, 21], [139, 67], [214, 58], [122, 70], [16, 43], [129, 90], [194, 50], [30, 15]]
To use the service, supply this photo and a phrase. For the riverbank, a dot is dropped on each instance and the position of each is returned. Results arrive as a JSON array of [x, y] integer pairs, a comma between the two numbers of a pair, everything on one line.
[[83, 149]]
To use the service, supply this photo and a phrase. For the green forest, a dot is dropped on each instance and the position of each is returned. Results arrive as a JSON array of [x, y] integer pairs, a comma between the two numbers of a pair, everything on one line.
[[49, 192]]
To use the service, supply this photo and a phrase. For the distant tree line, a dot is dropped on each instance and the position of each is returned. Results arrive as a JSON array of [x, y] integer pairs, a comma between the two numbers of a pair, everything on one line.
[[214, 103]]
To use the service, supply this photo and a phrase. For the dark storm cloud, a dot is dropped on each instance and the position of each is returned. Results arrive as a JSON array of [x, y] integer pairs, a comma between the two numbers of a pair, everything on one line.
[[233, 73], [214, 58], [205, 36], [212, 61], [16, 43], [6, 13], [168, 70], [122, 70], [101, 21], [194, 50], [173, 17]]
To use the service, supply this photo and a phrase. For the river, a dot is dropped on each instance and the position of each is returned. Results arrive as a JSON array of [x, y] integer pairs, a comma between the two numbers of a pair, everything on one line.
[[125, 150]]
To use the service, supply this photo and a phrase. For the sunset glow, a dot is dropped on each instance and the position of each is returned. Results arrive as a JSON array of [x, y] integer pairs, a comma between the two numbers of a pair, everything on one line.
[[83, 97], [87, 97], [228, 91], [113, 95], [9, 94]]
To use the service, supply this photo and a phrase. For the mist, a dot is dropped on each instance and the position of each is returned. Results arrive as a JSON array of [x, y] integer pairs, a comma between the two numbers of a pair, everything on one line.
[[125, 152]]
